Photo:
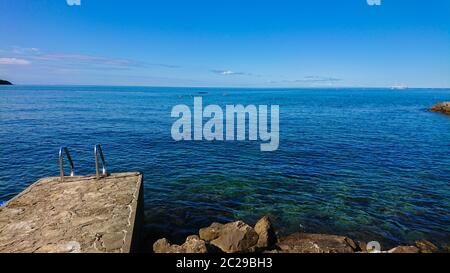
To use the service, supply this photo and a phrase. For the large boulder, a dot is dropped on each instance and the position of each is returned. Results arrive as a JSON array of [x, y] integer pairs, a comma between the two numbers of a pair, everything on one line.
[[443, 107], [316, 243], [266, 233], [235, 237], [210, 233], [193, 244]]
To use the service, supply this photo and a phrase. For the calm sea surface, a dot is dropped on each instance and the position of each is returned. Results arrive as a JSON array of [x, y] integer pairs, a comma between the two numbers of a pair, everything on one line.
[[369, 164]]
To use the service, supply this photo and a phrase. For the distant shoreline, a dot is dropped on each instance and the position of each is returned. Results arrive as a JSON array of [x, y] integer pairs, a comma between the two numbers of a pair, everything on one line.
[[4, 82], [240, 87]]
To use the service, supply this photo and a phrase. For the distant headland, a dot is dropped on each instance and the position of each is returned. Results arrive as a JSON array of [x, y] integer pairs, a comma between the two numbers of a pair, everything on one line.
[[443, 107], [3, 82]]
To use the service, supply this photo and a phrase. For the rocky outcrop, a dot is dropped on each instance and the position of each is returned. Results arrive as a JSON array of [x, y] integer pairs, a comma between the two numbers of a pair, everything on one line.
[[193, 244], [3, 82], [443, 107], [317, 243], [236, 237], [239, 237], [266, 233]]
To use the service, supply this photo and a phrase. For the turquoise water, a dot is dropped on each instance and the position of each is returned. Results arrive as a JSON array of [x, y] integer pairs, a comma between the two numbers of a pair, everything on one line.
[[370, 164]]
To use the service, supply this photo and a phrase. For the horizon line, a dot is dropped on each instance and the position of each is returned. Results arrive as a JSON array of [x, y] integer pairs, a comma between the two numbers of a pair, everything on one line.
[[232, 87]]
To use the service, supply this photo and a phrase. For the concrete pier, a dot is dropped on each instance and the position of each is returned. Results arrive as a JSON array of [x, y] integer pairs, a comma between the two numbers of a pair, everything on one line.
[[79, 214]]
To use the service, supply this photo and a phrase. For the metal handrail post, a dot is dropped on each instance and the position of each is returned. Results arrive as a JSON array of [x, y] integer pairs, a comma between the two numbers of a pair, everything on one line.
[[64, 151], [98, 151]]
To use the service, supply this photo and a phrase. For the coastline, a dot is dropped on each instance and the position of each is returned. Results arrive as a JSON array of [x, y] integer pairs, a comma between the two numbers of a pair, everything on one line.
[[239, 237]]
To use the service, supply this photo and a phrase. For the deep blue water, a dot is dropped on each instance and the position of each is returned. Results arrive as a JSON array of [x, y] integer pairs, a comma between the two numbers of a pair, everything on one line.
[[370, 164]]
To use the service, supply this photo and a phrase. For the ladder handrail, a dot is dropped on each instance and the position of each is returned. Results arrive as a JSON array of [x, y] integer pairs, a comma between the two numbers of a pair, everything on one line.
[[98, 151], [62, 151]]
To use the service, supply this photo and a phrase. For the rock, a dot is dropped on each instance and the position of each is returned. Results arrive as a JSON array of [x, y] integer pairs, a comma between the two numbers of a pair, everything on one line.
[[210, 233], [316, 243], [266, 233], [404, 249], [446, 249], [3, 82], [163, 246], [362, 246], [236, 237], [443, 107], [426, 246], [193, 244]]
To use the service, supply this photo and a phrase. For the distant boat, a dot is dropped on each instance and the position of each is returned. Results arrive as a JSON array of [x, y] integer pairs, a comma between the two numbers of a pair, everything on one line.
[[399, 87]]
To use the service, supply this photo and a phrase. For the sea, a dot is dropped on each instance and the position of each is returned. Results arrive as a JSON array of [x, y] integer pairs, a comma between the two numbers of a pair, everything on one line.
[[371, 164]]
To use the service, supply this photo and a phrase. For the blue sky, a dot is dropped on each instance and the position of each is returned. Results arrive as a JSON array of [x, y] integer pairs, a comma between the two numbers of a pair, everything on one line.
[[313, 43]]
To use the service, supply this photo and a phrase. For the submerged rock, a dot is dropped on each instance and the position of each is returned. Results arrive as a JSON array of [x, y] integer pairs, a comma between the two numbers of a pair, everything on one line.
[[404, 249], [193, 244], [236, 237], [443, 107], [317, 243], [446, 249], [426, 246], [266, 233]]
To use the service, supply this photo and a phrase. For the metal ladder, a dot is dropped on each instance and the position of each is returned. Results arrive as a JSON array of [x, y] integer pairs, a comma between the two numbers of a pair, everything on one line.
[[64, 151], [97, 152]]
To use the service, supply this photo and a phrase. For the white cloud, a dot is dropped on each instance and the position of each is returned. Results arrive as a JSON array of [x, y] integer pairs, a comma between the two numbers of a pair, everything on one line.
[[319, 79], [25, 50], [38, 56], [14, 61], [84, 59], [228, 72], [311, 79]]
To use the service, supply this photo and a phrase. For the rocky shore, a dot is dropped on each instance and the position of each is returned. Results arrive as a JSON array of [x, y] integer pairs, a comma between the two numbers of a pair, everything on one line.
[[443, 107], [239, 237]]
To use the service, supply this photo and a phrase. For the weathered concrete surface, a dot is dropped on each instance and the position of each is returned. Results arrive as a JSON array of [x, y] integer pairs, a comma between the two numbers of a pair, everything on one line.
[[80, 214]]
